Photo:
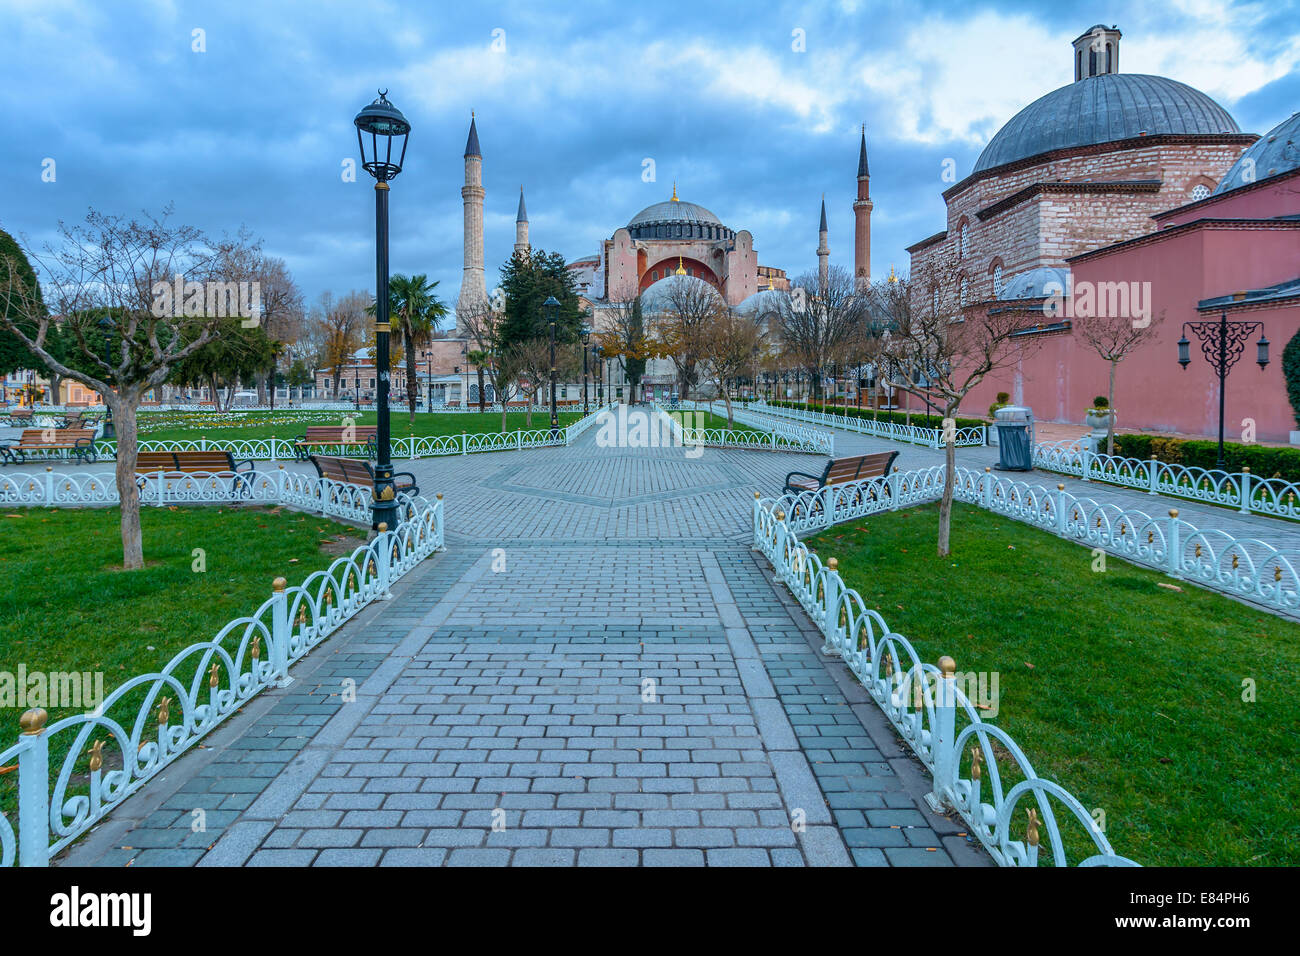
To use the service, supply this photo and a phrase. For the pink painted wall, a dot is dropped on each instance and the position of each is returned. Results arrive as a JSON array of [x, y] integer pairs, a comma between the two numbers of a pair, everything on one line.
[[1153, 392]]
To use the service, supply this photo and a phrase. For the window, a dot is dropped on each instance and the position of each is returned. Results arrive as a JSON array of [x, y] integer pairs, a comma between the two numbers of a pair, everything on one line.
[[998, 285], [934, 299], [964, 242], [961, 292], [1200, 192]]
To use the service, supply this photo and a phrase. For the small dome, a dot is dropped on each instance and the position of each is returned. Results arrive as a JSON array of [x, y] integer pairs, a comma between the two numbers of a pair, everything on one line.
[[1104, 109], [1274, 153], [1037, 283], [657, 295], [763, 302]]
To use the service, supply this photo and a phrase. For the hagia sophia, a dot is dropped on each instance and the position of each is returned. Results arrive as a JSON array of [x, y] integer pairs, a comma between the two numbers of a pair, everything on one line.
[[1113, 177]]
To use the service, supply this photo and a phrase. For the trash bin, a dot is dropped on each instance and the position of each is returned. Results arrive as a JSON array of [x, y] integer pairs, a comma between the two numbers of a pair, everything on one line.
[[1013, 448]]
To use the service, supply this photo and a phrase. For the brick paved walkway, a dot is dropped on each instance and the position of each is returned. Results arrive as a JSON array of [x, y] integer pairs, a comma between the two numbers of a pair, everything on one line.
[[597, 671]]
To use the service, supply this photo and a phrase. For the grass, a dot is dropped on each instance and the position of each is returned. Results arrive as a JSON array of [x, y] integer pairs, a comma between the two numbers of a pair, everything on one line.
[[1128, 694], [709, 420], [288, 424], [69, 607]]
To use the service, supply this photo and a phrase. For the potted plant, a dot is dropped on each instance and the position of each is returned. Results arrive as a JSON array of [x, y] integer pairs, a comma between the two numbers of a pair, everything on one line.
[[1100, 418], [1004, 398]]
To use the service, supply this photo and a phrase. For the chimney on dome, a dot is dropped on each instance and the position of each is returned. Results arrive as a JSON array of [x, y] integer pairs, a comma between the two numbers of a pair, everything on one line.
[[1096, 52]]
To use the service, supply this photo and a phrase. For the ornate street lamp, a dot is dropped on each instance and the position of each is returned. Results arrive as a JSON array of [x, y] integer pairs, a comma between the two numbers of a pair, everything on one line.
[[387, 130], [596, 353], [1222, 344], [552, 306], [110, 430], [585, 336]]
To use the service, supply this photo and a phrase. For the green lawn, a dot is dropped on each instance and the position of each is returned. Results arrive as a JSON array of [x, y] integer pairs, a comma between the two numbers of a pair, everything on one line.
[[288, 424], [690, 419], [1128, 694], [69, 608]]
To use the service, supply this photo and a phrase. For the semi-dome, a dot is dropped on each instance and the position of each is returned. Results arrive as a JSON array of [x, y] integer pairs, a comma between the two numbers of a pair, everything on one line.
[[1274, 153], [763, 302], [658, 295], [1104, 109], [1040, 283]]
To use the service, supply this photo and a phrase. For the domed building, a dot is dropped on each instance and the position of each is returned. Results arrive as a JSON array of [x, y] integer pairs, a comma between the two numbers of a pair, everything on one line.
[[1085, 165]]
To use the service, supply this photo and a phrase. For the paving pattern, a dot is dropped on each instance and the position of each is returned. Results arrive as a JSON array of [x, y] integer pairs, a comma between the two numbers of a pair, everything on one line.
[[598, 671]]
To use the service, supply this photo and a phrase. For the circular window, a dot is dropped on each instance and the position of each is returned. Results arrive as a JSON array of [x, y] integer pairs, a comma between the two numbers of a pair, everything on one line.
[[1200, 192]]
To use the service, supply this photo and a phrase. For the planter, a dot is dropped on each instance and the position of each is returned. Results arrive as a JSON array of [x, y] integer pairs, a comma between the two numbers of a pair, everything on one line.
[[1099, 420]]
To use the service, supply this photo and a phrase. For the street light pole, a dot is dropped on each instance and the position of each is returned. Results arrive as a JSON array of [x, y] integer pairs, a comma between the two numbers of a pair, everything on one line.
[[551, 305], [1222, 344], [383, 123], [585, 336]]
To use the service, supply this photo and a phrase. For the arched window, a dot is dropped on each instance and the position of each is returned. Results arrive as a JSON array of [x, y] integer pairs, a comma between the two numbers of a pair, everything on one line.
[[961, 292], [963, 241], [998, 285]]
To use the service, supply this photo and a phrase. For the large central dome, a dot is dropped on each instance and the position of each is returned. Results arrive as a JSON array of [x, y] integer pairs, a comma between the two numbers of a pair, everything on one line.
[[1104, 109], [673, 210]]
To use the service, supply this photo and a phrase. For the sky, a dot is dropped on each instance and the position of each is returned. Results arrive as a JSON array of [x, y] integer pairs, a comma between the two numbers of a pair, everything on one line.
[[240, 114]]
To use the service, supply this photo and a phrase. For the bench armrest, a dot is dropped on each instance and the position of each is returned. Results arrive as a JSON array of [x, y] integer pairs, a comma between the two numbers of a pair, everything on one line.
[[802, 474], [237, 465]]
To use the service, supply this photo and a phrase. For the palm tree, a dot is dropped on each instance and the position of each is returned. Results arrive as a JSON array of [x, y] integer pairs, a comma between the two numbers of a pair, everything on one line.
[[414, 304]]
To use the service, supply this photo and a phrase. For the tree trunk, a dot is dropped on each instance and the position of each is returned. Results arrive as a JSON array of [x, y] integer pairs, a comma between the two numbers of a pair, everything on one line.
[[726, 398], [124, 409], [1110, 424], [212, 391], [504, 414], [949, 484], [412, 388], [528, 409]]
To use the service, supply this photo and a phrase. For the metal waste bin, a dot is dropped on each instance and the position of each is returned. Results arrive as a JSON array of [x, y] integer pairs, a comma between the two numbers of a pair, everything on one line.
[[1015, 430]]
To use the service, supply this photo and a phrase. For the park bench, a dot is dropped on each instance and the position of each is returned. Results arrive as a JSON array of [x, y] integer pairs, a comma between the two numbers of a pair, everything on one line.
[[336, 436], [74, 442], [79, 419], [840, 470], [19, 416], [218, 463], [354, 471]]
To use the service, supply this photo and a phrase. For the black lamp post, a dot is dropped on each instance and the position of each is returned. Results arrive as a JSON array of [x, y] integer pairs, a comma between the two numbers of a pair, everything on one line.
[[110, 430], [356, 386], [585, 335], [596, 353], [428, 361], [552, 305], [382, 123], [1222, 344]]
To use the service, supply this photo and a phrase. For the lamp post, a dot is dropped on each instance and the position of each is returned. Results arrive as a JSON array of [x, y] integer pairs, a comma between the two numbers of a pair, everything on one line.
[[428, 361], [585, 336], [356, 386], [596, 353], [552, 305], [110, 430], [381, 122], [1222, 344]]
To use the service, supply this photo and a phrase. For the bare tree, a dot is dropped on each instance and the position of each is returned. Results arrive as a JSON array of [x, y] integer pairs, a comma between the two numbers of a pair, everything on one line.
[[940, 357], [501, 366], [730, 345], [342, 328], [819, 321], [531, 361], [1113, 337], [627, 337], [679, 321], [117, 276]]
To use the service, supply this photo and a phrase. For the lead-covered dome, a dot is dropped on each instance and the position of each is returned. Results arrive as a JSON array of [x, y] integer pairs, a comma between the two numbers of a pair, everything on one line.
[[1104, 109], [677, 219], [1274, 153]]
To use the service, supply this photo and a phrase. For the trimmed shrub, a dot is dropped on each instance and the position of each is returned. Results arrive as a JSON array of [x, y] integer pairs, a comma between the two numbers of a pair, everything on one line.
[[1291, 372], [1264, 461], [920, 419]]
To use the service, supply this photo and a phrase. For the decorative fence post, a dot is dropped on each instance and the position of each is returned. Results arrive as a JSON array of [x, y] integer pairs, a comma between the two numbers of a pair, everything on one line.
[[1085, 457], [464, 444], [49, 484], [833, 588], [34, 790], [280, 629], [281, 485], [274, 456], [987, 489], [895, 489], [1153, 469], [1174, 557], [757, 508], [778, 547], [162, 488], [828, 505], [944, 733], [1060, 510], [384, 560], [1245, 489], [519, 440]]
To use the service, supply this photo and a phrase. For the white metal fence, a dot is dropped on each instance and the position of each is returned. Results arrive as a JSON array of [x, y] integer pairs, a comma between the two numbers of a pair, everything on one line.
[[978, 769], [894, 431], [147, 722], [777, 435], [1247, 492]]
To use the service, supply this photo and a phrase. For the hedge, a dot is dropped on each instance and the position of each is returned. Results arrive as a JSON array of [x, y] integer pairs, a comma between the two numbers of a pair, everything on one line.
[[920, 419], [1264, 461]]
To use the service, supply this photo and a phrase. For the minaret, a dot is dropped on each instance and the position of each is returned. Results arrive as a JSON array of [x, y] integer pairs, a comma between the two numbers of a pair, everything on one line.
[[473, 284], [823, 253], [862, 220], [521, 226]]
